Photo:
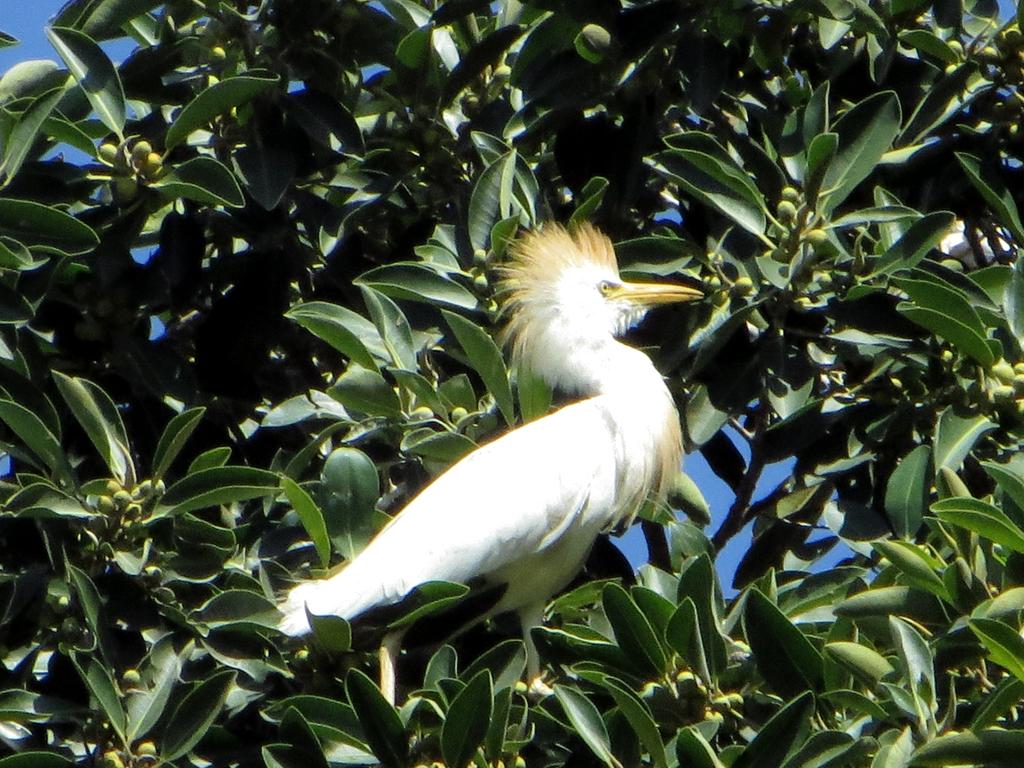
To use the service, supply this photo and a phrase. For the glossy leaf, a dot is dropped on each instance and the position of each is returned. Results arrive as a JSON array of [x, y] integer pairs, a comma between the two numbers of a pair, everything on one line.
[[381, 725], [217, 485], [467, 720], [485, 357], [586, 720], [96, 76], [982, 518], [195, 714], [311, 516], [906, 491], [218, 99], [786, 658], [173, 439], [203, 180], [99, 418], [633, 632]]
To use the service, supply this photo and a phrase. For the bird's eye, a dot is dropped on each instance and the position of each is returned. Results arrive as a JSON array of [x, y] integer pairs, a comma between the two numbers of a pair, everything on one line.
[[605, 287]]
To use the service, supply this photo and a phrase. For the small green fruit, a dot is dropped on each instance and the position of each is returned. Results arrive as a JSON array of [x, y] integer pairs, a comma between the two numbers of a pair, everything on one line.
[[816, 237], [458, 414], [786, 211], [792, 194], [108, 152], [217, 53], [141, 151], [131, 678], [743, 285]]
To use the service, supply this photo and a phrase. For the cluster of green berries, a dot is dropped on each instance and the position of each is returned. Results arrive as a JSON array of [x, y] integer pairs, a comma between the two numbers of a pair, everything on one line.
[[132, 162]]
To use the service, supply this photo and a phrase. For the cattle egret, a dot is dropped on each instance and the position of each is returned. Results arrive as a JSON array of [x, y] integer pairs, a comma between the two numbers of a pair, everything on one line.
[[523, 511]]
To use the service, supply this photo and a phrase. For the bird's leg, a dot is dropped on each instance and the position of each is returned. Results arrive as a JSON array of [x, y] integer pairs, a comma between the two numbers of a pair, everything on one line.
[[531, 616], [390, 647]]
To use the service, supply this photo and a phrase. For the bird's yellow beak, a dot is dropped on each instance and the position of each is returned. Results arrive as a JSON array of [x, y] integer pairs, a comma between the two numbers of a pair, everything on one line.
[[651, 294]]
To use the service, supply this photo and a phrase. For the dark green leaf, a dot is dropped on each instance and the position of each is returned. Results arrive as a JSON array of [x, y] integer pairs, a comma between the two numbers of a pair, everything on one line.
[[633, 632], [988, 747], [485, 357], [381, 725], [779, 736], [98, 415], [982, 518], [216, 100], [97, 679], [995, 192], [466, 723], [587, 722], [195, 714], [217, 485], [203, 180], [173, 439], [865, 134], [784, 655], [311, 516], [955, 436], [418, 283], [906, 491], [724, 188], [340, 327], [1003, 643], [40, 226]]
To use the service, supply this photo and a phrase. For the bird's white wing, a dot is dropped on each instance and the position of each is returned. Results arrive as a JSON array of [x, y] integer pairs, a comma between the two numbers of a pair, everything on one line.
[[502, 504]]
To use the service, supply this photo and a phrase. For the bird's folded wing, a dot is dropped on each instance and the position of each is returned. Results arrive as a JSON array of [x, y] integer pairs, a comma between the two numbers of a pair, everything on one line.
[[503, 503]]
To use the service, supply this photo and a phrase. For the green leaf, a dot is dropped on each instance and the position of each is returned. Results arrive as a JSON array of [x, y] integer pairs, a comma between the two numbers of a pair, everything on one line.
[[195, 714], [491, 200], [173, 439], [332, 633], [217, 485], [866, 132], [633, 632], [393, 327], [779, 736], [906, 491], [917, 666], [919, 569], [955, 436], [1004, 644], [988, 747], [214, 457], [267, 168], [146, 708], [589, 200], [929, 43], [692, 749], [921, 237], [982, 518], [203, 180], [820, 154], [698, 582], [34, 759], [382, 726], [485, 357], [40, 226], [684, 636], [950, 328], [866, 663], [102, 19], [727, 189], [416, 282], [350, 480], [1008, 479], [465, 725], [587, 722], [24, 133], [237, 608], [88, 596], [219, 99], [340, 327], [311, 516], [97, 679], [784, 655], [994, 190], [96, 76], [98, 415], [427, 599], [36, 436], [640, 719], [366, 391]]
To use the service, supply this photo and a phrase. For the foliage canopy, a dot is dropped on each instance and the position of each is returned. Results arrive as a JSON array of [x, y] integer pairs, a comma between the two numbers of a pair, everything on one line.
[[245, 303]]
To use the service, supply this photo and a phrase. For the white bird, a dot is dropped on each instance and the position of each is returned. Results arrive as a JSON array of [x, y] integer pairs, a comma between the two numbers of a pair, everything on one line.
[[524, 510]]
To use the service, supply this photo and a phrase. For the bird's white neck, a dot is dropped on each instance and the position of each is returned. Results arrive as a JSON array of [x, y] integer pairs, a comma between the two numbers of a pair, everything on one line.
[[589, 365]]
